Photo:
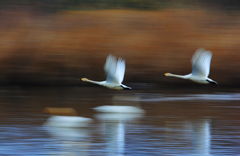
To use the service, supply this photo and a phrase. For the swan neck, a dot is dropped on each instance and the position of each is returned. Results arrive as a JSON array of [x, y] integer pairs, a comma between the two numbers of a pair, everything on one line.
[[91, 81], [178, 76]]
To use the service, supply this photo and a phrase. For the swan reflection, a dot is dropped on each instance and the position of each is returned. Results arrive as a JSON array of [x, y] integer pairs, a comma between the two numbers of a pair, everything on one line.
[[201, 137], [198, 133], [113, 126], [71, 134], [70, 141]]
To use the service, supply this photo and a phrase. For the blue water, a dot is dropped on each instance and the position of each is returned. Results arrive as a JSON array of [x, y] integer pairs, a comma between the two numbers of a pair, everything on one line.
[[173, 124]]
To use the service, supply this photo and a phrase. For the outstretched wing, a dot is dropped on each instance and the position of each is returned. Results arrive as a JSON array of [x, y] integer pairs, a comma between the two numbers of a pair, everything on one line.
[[114, 69], [120, 70], [110, 68], [201, 61]]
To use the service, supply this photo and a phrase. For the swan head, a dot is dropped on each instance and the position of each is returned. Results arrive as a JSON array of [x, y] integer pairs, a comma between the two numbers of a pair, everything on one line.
[[167, 74], [84, 79]]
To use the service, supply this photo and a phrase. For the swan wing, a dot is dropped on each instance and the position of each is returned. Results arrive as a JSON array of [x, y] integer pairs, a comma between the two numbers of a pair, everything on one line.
[[120, 70], [201, 63], [114, 69], [110, 69]]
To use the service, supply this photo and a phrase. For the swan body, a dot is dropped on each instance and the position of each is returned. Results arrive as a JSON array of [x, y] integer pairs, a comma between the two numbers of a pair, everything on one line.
[[115, 70], [201, 61]]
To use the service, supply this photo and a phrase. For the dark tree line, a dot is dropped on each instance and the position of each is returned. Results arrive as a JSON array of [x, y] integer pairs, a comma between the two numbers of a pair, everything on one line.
[[55, 5]]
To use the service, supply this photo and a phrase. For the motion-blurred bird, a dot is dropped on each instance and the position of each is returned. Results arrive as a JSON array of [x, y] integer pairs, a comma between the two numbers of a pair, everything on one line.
[[200, 68], [115, 70]]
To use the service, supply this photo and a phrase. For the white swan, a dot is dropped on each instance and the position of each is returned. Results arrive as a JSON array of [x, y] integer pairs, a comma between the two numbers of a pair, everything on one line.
[[115, 70], [200, 68]]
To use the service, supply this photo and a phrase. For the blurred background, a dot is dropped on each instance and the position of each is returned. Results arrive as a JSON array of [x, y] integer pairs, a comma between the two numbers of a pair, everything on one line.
[[51, 43], [55, 42]]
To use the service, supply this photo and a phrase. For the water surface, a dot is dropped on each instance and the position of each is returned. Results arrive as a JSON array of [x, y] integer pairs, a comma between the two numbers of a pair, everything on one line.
[[173, 123]]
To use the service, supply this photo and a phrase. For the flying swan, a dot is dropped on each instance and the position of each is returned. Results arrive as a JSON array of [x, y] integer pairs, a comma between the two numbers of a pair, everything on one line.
[[115, 70], [200, 68]]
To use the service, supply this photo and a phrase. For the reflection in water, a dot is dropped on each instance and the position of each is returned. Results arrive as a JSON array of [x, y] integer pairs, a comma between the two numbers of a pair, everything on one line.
[[204, 135], [190, 128], [114, 136], [71, 131], [201, 136], [188, 97], [68, 118], [191, 137], [68, 121], [114, 127], [73, 141], [118, 109]]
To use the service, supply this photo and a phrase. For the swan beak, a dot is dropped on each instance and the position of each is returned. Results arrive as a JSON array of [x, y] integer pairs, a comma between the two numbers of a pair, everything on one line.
[[166, 74], [83, 79]]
